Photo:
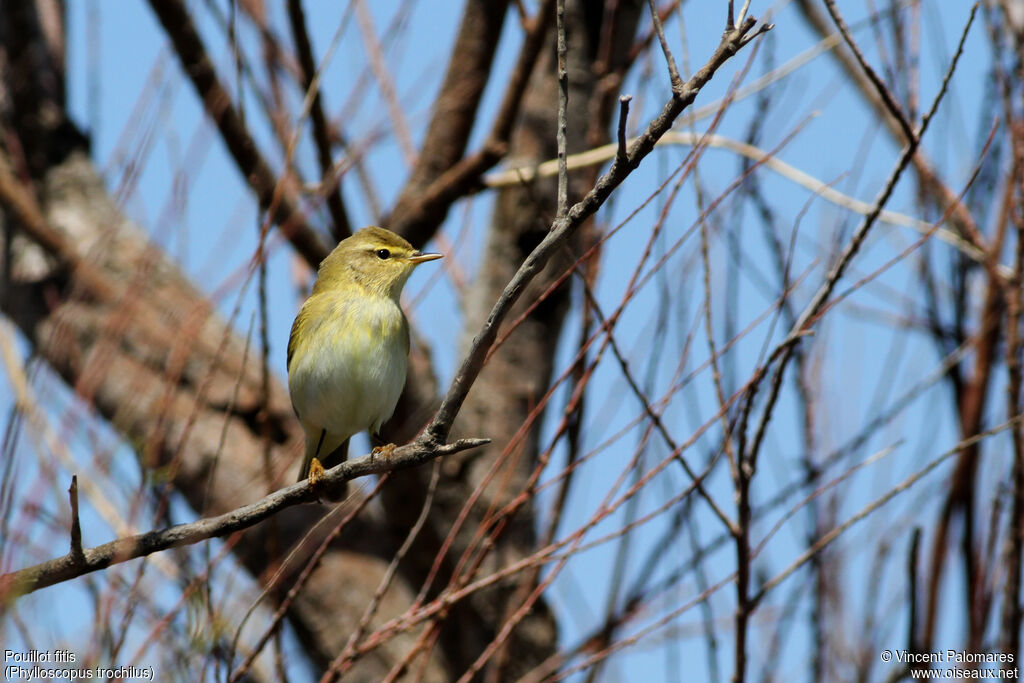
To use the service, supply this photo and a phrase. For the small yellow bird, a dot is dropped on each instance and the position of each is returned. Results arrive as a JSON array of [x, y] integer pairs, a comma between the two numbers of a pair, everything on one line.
[[349, 346]]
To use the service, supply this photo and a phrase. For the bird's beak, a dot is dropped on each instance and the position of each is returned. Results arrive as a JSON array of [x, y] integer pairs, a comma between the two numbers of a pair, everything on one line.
[[419, 257]]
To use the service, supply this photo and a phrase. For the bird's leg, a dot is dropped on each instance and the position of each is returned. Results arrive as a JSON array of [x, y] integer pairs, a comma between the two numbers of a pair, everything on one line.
[[316, 470], [380, 448]]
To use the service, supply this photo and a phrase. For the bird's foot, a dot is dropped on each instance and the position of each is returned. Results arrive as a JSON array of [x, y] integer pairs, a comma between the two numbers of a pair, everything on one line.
[[385, 451], [316, 473]]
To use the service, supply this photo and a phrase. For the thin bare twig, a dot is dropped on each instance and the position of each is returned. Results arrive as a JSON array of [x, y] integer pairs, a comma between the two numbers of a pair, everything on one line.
[[620, 150], [180, 28], [385, 82], [346, 655], [820, 297], [321, 130], [298, 584], [563, 227], [75, 553], [442, 173], [912, 573], [931, 183], [1013, 610], [563, 104], [832, 535], [673, 72], [743, 12], [599, 155], [880, 87]]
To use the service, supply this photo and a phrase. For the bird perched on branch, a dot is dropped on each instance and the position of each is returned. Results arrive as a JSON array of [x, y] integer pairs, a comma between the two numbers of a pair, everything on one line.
[[349, 347]]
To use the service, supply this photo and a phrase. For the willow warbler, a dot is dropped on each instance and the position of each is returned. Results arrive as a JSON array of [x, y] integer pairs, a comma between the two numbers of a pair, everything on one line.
[[349, 345]]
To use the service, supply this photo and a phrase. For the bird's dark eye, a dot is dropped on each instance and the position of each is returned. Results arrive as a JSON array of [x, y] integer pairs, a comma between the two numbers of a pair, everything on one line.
[[383, 254]]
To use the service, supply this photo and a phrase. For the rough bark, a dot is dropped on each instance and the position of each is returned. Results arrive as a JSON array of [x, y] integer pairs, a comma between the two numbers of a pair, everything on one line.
[[454, 113], [142, 345], [171, 394], [518, 374], [148, 353]]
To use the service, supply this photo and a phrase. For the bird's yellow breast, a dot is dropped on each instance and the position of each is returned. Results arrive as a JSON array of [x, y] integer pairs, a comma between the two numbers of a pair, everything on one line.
[[347, 361]]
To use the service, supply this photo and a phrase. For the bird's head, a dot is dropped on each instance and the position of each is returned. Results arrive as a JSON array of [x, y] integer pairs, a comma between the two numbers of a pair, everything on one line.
[[375, 259]]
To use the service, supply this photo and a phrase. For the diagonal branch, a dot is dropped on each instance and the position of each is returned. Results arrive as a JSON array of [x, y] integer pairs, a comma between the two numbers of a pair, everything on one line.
[[424, 202], [599, 155], [817, 304], [563, 103], [254, 168], [673, 71], [732, 41], [75, 564], [321, 132], [454, 114], [929, 179], [883, 91]]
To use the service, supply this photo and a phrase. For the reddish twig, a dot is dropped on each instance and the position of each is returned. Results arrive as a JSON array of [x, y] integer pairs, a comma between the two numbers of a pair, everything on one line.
[[254, 168]]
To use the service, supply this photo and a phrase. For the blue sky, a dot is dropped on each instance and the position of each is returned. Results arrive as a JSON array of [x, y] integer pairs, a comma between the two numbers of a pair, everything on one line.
[[212, 235]]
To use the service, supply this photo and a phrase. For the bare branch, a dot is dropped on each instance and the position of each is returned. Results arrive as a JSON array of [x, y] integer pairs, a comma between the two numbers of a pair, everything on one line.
[[883, 91], [563, 103], [930, 180], [820, 297], [835, 533], [620, 150], [673, 72], [254, 168], [599, 155], [562, 228], [68, 567], [75, 553], [385, 82], [421, 207], [321, 132]]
